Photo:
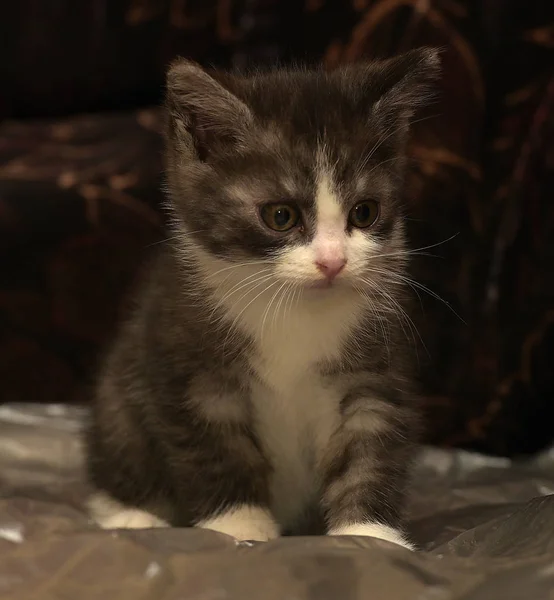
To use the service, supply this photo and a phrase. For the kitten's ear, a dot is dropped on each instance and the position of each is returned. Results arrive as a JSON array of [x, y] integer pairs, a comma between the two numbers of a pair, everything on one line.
[[406, 83], [393, 89], [201, 110]]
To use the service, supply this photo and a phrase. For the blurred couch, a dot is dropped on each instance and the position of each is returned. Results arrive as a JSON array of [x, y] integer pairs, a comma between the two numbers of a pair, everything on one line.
[[80, 173]]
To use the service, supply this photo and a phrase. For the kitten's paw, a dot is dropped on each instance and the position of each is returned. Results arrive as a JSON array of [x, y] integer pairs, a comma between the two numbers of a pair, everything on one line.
[[244, 523], [108, 513], [376, 530]]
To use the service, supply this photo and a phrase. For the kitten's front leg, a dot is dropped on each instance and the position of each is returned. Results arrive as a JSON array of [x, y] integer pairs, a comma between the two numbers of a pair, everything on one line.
[[221, 473], [225, 488], [366, 466]]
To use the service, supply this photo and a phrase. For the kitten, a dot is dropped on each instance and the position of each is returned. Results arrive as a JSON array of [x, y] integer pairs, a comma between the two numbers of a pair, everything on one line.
[[264, 374]]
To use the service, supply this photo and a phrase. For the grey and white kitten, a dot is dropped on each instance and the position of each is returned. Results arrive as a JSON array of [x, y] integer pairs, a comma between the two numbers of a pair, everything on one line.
[[264, 376]]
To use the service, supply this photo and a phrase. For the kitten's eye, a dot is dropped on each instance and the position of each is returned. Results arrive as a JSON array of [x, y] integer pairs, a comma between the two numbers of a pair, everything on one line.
[[364, 214], [280, 217]]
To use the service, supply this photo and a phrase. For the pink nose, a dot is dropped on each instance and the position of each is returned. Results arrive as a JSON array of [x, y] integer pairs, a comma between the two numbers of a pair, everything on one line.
[[331, 267]]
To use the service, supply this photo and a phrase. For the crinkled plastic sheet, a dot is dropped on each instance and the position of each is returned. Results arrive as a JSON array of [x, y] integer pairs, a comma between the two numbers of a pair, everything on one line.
[[485, 528]]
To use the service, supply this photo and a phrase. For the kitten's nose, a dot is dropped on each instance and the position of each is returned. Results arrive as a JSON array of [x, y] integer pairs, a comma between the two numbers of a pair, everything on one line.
[[331, 267]]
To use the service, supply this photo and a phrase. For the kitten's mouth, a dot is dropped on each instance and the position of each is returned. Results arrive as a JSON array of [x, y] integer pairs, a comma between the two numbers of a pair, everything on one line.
[[322, 284], [319, 286]]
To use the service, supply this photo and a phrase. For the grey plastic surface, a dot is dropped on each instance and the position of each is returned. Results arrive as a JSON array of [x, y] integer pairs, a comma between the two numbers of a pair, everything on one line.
[[485, 528]]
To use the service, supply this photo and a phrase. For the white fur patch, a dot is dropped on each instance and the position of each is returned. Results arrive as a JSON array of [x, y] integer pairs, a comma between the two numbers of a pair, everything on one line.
[[372, 418], [216, 405], [12, 533], [294, 422], [111, 514], [330, 214], [244, 523], [375, 530]]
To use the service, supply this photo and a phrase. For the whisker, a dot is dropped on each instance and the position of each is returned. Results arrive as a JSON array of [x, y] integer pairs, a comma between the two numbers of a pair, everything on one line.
[[383, 162], [380, 321], [236, 319], [276, 310], [386, 135], [415, 250], [393, 277], [294, 291], [402, 315], [241, 284], [268, 307], [300, 294], [415, 284], [231, 331], [182, 235], [251, 284], [280, 303], [237, 266]]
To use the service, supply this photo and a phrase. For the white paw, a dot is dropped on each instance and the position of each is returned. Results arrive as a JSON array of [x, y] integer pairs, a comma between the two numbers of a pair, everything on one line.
[[111, 514], [132, 518], [244, 523], [376, 530]]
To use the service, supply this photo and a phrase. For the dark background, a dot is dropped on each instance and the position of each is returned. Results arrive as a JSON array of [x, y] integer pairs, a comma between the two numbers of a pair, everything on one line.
[[80, 172]]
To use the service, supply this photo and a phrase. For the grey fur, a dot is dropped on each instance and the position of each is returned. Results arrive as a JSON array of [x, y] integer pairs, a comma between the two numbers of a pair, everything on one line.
[[172, 419]]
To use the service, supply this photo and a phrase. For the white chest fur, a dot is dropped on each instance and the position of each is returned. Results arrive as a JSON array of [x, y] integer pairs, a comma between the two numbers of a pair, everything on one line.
[[297, 409], [293, 425]]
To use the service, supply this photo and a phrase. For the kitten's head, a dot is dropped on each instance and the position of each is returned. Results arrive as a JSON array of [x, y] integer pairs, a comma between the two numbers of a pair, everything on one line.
[[295, 174]]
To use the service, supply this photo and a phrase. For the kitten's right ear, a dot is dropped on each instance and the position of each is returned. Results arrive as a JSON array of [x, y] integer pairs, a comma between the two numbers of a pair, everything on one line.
[[201, 110]]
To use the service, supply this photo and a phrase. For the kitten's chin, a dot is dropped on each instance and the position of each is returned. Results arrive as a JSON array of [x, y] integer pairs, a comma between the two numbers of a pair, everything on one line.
[[324, 285]]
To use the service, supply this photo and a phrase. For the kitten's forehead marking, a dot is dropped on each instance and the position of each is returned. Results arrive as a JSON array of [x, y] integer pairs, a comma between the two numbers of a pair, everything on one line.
[[329, 212], [246, 191], [361, 183], [328, 207], [289, 186]]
